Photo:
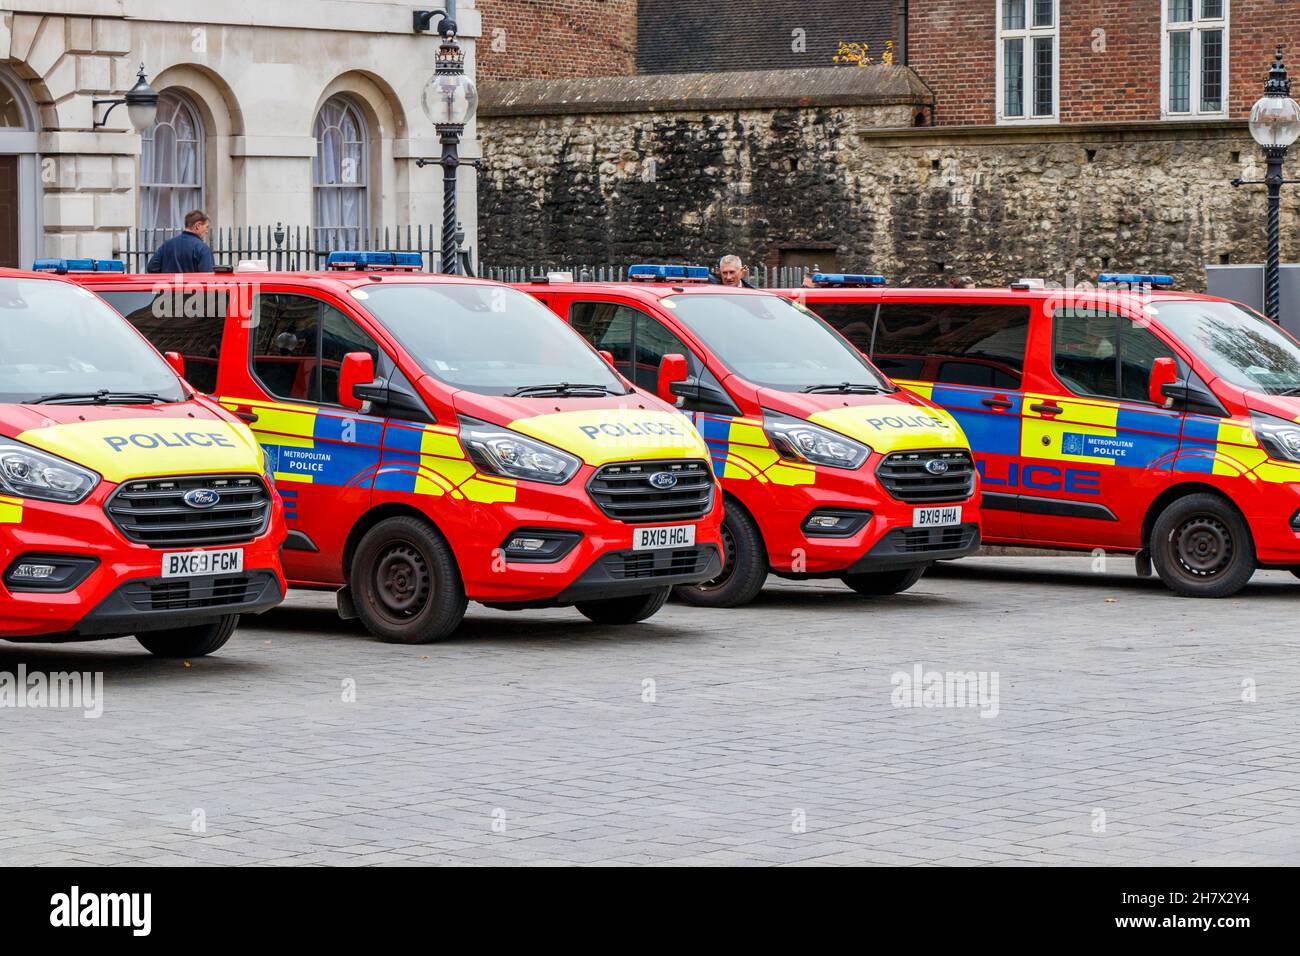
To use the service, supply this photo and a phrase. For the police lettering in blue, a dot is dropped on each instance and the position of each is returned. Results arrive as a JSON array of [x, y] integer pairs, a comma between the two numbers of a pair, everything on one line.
[[151, 440], [1044, 478], [617, 430], [906, 421]]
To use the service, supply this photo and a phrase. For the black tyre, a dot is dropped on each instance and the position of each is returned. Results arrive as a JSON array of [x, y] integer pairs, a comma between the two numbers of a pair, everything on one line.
[[624, 610], [1201, 547], [878, 583], [197, 641], [744, 566], [405, 583]]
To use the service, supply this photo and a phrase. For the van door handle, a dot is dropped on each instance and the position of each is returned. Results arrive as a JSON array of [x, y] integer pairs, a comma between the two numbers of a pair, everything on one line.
[[1047, 408], [245, 414], [997, 403]]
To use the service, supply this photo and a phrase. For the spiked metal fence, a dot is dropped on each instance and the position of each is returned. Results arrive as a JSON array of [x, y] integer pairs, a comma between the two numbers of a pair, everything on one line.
[[764, 277], [291, 248]]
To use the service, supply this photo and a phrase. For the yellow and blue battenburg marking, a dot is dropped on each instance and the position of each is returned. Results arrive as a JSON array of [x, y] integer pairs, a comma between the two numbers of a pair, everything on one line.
[[311, 447], [11, 510], [429, 460], [988, 434], [739, 448], [1099, 433], [1228, 447]]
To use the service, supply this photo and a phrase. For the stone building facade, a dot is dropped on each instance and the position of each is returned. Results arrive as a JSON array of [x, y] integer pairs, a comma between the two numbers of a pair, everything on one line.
[[284, 111], [909, 170]]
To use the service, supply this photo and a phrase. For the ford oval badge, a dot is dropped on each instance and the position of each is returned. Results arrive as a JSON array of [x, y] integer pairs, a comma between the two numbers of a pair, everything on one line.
[[202, 498]]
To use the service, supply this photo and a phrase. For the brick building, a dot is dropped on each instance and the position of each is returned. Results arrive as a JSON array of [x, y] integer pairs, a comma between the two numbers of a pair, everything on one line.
[[1027, 137], [1087, 61]]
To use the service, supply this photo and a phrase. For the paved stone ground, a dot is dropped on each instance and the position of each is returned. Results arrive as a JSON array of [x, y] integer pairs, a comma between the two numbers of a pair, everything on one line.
[[1114, 698]]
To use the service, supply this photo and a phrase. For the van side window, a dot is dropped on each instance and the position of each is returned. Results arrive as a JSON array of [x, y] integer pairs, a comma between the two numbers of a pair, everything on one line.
[[299, 345], [189, 321], [637, 341], [1104, 354], [961, 344]]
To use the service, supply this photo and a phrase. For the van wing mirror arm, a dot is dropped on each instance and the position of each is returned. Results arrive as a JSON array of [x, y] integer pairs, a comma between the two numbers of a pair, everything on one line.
[[398, 402], [1193, 397]]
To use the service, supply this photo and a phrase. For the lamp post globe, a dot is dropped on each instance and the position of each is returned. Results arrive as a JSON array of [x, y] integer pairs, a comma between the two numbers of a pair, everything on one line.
[[1275, 125], [449, 100], [142, 103]]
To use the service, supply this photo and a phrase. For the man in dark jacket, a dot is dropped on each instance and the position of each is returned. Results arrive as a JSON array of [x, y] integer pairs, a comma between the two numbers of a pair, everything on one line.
[[188, 252]]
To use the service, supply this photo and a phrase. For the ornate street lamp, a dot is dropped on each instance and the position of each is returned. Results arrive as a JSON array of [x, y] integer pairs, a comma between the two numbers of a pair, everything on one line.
[[1275, 125], [141, 105], [449, 100]]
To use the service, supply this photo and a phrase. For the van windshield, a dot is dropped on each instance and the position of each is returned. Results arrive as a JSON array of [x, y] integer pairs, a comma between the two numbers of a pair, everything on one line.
[[489, 339], [61, 343], [771, 342], [1240, 346]]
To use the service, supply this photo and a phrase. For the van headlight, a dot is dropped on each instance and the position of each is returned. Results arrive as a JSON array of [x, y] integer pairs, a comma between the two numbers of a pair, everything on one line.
[[797, 440], [1279, 437], [30, 473], [268, 467], [500, 451]]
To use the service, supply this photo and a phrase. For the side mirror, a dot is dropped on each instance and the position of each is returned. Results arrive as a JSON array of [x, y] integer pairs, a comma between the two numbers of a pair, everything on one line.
[[176, 361], [1164, 372], [672, 368], [608, 357], [358, 369]]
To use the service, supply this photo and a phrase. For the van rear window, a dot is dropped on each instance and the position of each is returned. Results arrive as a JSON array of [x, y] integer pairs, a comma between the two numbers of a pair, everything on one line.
[[189, 321]]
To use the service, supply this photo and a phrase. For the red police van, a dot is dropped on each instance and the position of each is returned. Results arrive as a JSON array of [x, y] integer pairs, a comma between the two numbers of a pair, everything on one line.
[[828, 469], [1126, 417], [129, 506], [441, 439]]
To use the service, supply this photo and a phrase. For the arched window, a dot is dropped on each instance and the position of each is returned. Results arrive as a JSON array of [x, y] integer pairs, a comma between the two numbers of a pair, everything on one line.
[[340, 175], [20, 190], [171, 165]]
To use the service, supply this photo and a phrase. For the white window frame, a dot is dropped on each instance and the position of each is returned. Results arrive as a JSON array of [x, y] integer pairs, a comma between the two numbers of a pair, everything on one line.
[[1194, 27], [1027, 36], [200, 142]]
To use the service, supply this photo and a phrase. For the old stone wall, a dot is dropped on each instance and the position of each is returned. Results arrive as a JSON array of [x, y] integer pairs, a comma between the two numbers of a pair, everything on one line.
[[919, 205]]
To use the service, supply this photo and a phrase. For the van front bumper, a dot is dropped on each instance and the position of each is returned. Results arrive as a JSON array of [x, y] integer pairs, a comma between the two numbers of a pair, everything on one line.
[[123, 592]]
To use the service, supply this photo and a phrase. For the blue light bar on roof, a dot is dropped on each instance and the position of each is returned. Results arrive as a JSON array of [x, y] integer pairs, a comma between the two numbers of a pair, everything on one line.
[[658, 273], [374, 259], [845, 279], [78, 265], [1133, 278]]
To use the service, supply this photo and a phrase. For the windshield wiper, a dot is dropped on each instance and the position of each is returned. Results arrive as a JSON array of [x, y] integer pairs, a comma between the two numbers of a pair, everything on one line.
[[102, 397], [845, 388], [1293, 390], [562, 388]]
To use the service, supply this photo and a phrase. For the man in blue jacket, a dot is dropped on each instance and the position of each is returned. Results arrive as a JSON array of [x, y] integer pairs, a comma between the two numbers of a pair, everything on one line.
[[188, 252]]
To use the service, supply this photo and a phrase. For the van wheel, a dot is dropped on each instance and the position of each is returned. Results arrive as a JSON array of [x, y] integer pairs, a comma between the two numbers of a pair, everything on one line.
[[198, 641], [878, 583], [405, 583], [1201, 547], [744, 566], [624, 610]]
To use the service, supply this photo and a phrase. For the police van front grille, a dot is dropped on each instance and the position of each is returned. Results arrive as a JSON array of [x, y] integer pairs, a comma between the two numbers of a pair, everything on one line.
[[906, 475], [153, 511], [632, 565], [189, 595], [924, 540], [625, 492]]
